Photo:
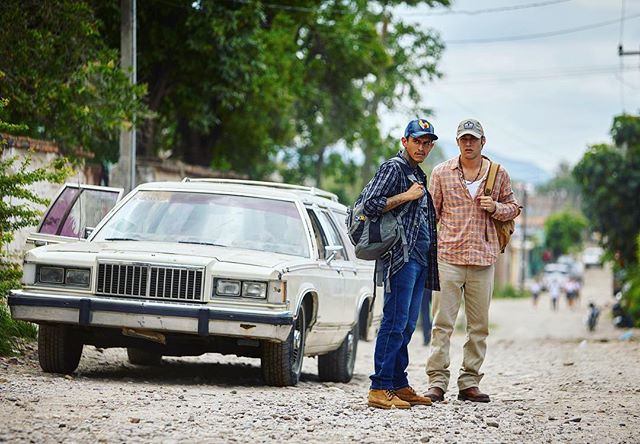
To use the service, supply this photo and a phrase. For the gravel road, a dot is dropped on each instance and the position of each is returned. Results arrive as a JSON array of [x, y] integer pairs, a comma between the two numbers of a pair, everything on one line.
[[550, 381]]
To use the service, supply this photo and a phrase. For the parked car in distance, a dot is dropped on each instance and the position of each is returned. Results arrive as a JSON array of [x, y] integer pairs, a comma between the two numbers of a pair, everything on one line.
[[555, 272], [592, 257], [576, 268], [248, 268]]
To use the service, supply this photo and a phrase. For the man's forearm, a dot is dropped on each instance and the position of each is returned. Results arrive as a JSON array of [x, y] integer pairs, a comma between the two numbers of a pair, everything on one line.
[[395, 201]]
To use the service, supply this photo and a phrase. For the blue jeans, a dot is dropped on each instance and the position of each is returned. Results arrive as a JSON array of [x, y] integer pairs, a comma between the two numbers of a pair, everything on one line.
[[425, 312], [399, 318]]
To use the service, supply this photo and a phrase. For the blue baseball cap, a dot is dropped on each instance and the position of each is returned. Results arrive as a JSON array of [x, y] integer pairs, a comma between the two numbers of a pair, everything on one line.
[[418, 128]]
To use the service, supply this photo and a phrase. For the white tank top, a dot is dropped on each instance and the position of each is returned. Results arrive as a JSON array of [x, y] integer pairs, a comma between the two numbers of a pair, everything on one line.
[[473, 186]]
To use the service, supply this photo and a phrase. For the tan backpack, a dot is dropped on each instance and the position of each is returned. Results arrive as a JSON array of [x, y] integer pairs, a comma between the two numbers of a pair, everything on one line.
[[504, 228]]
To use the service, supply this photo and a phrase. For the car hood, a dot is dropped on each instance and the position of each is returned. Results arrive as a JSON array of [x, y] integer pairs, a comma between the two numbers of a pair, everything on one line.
[[166, 252]]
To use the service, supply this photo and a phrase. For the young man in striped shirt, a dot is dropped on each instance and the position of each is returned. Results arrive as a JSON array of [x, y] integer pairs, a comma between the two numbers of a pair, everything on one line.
[[468, 249], [399, 185]]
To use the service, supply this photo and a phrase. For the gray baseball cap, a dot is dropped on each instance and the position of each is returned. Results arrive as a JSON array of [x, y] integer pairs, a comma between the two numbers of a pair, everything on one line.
[[470, 126]]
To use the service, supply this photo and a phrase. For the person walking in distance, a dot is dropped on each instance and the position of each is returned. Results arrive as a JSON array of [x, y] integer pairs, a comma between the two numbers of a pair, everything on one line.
[[399, 185], [468, 248]]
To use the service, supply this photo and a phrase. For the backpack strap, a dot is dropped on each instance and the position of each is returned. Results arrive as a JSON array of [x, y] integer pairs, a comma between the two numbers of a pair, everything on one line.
[[491, 178]]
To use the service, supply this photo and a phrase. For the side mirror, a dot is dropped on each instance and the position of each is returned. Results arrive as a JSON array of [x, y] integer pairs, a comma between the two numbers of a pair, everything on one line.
[[333, 251], [88, 231]]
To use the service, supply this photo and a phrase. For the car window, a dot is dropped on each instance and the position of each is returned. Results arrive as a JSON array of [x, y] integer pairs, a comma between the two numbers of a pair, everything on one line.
[[202, 218], [53, 220], [89, 209], [321, 239], [332, 234]]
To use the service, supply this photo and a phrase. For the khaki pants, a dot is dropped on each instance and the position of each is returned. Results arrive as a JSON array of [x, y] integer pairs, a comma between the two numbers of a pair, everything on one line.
[[476, 284]]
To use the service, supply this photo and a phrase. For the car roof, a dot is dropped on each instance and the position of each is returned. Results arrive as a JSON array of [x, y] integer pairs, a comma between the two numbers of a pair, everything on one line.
[[275, 190]]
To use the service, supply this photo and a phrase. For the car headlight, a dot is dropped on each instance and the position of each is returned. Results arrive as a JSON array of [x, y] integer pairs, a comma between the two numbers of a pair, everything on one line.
[[225, 287], [234, 287], [51, 275], [254, 290], [77, 276]]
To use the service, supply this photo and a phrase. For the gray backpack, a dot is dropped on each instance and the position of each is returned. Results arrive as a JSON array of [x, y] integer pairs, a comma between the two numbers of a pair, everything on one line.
[[374, 237]]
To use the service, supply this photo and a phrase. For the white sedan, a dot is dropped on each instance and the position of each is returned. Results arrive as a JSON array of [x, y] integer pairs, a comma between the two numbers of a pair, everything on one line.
[[248, 268]]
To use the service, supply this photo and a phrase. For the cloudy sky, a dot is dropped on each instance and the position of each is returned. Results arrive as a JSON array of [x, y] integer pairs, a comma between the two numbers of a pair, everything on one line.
[[543, 99]]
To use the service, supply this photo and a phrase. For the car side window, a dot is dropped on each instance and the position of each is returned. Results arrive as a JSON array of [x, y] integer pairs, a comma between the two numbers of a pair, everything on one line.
[[338, 220], [321, 239], [57, 214], [332, 234]]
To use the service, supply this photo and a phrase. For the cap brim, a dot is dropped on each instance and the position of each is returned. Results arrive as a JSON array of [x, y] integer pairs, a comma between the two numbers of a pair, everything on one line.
[[472, 132], [423, 133]]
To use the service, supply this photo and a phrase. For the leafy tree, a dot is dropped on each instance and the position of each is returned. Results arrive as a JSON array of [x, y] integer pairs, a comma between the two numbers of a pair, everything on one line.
[[609, 178], [16, 212], [63, 81], [563, 187], [294, 86], [564, 232]]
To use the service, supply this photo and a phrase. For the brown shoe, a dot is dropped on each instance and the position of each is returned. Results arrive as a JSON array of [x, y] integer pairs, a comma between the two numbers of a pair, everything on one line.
[[436, 394], [473, 394], [409, 394], [386, 399]]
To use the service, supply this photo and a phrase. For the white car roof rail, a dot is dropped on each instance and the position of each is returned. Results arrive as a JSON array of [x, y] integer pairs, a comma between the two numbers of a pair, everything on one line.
[[311, 190]]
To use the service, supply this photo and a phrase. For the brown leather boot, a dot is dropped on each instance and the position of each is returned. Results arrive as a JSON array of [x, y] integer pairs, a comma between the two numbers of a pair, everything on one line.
[[409, 394], [473, 394], [386, 399], [436, 394]]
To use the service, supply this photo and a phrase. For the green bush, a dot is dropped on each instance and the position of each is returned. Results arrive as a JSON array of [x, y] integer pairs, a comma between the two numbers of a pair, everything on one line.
[[12, 332], [509, 292]]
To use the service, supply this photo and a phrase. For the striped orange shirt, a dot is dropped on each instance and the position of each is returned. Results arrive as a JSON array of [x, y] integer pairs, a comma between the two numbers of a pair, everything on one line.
[[466, 232]]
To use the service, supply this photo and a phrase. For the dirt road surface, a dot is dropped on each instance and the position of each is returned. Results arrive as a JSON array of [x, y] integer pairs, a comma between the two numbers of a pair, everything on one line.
[[550, 381]]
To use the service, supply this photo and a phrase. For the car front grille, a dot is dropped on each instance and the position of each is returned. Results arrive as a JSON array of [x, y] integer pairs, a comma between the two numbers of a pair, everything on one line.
[[150, 281]]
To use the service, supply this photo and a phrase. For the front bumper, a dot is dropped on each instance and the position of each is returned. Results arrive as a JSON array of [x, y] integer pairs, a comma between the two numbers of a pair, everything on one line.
[[202, 320]]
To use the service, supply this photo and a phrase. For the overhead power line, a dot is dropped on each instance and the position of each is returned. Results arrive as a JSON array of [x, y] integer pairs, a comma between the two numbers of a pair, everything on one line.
[[538, 35], [536, 75], [486, 10]]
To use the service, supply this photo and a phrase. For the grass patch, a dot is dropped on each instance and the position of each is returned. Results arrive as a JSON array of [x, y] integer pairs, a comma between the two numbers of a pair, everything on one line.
[[12, 332], [509, 292]]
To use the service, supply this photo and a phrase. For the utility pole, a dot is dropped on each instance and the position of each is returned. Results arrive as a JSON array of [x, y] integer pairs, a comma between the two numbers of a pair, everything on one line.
[[523, 246], [124, 172]]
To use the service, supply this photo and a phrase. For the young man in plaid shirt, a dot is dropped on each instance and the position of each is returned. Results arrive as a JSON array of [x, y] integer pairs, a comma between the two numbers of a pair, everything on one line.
[[468, 249]]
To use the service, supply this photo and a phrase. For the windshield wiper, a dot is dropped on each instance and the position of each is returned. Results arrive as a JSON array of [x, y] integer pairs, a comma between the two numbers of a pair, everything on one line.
[[121, 239], [200, 243]]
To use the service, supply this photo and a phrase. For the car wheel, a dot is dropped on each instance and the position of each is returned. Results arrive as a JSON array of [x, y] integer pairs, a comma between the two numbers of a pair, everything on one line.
[[282, 361], [364, 322], [59, 350], [139, 356], [337, 366]]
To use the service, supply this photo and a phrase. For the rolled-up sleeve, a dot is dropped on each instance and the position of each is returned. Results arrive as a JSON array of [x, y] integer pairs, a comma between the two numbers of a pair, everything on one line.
[[382, 186], [435, 189], [507, 207]]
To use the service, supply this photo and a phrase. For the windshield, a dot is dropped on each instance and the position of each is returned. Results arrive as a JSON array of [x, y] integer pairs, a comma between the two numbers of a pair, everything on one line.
[[211, 219]]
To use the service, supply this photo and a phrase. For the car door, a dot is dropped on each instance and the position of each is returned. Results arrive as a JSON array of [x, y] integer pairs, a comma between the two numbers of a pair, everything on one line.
[[75, 210], [329, 282], [346, 269]]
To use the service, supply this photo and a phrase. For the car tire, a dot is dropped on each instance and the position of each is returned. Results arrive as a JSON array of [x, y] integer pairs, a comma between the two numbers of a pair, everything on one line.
[[337, 366], [364, 322], [139, 356], [281, 362], [59, 349]]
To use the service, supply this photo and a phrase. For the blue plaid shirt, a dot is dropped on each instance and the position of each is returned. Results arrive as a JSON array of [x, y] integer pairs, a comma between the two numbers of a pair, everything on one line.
[[391, 180]]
